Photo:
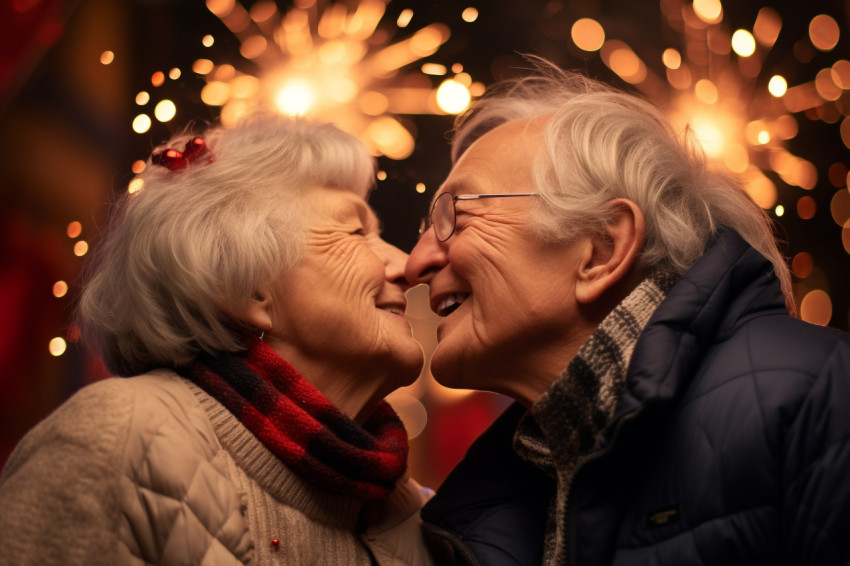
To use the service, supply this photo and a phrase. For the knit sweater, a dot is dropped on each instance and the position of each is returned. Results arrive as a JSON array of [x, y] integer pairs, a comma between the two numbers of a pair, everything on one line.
[[153, 470]]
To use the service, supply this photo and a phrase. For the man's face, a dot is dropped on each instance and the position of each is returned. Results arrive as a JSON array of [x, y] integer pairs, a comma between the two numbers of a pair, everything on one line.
[[507, 297]]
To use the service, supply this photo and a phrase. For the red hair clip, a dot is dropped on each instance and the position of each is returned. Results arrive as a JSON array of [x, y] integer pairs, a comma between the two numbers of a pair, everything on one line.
[[174, 159]]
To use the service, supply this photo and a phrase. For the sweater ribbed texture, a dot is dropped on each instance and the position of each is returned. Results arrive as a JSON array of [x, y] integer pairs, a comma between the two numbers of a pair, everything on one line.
[[307, 522]]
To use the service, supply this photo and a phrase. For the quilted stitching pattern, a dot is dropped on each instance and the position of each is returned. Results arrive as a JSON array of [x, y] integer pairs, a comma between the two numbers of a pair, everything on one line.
[[179, 507]]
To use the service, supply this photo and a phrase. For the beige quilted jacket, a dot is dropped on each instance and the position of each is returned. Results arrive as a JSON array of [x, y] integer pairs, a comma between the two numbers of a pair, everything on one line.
[[151, 470]]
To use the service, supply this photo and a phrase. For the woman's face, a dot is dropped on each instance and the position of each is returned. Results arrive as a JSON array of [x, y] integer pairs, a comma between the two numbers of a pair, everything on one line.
[[338, 315]]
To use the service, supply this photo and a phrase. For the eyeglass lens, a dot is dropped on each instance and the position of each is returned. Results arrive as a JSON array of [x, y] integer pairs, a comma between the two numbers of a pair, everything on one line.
[[443, 216]]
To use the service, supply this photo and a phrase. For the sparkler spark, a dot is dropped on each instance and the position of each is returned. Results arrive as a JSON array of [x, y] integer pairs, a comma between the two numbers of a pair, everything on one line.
[[742, 114], [336, 62]]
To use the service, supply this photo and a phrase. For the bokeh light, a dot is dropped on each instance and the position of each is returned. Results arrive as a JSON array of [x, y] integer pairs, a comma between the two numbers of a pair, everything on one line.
[[816, 307], [60, 289], [57, 346]]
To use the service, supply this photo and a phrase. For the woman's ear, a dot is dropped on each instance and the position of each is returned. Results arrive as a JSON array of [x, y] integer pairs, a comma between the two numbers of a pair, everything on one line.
[[257, 311], [610, 257]]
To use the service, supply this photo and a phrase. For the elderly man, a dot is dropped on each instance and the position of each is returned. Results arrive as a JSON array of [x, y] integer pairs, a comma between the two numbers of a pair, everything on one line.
[[589, 263]]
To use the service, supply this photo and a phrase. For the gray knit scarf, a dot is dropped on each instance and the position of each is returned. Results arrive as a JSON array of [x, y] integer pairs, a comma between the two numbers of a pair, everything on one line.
[[572, 419]]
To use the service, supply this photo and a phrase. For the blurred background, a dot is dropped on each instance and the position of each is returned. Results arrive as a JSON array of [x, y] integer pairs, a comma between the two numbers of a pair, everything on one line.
[[89, 87]]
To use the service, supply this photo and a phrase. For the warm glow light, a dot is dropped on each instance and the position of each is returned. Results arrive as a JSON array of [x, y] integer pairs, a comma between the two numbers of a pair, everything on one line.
[[767, 26], [824, 32], [203, 66], [743, 43], [411, 411], [245, 86], [464, 79], [263, 11], [390, 137], [404, 18], [588, 34], [158, 78], [165, 110], [141, 123], [74, 229], [806, 207], [816, 307], [208, 40], [434, 69], [453, 97], [135, 186], [622, 60], [373, 103], [761, 189], [138, 166], [296, 97], [215, 93], [779, 210], [420, 188], [706, 91], [221, 8], [57, 346], [735, 157], [381, 175], [841, 73], [143, 98], [81, 248], [107, 57], [802, 265], [839, 206], [469, 14], [671, 58], [709, 136], [777, 86], [174, 74], [763, 137], [60, 289], [826, 87], [709, 11], [337, 61], [845, 236], [254, 46]]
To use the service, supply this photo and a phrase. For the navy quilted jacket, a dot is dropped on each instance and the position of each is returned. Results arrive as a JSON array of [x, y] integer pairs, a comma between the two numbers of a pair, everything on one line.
[[732, 443]]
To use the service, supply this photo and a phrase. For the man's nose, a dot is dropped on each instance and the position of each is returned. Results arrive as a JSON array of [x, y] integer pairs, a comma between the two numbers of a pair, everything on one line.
[[427, 258]]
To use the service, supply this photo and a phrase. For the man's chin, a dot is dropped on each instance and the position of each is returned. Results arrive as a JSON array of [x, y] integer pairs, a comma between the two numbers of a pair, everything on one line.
[[450, 369]]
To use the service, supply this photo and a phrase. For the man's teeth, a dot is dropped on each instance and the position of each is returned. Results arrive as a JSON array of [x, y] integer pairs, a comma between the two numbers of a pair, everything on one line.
[[451, 302]]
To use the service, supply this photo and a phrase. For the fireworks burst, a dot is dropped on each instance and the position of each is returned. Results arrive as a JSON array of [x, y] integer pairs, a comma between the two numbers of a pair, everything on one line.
[[338, 62], [743, 114]]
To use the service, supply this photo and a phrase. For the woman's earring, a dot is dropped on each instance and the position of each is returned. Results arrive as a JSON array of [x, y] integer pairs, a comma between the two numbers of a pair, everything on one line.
[[263, 332]]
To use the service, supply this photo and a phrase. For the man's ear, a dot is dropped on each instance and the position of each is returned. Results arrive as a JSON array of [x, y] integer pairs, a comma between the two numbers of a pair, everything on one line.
[[257, 311], [609, 257]]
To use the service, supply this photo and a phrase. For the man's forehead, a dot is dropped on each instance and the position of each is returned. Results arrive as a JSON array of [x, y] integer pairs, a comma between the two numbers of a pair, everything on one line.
[[522, 137]]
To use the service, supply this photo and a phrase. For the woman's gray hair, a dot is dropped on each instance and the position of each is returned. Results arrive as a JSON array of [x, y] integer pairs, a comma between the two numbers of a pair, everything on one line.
[[602, 144], [187, 252]]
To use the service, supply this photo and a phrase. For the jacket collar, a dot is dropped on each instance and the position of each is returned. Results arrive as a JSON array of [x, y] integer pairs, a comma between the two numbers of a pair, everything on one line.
[[730, 283]]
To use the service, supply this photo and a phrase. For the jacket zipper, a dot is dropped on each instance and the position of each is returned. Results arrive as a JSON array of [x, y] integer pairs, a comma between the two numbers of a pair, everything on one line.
[[572, 558]]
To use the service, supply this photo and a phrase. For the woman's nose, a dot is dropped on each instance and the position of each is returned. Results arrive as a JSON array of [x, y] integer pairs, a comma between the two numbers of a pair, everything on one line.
[[394, 264], [427, 258]]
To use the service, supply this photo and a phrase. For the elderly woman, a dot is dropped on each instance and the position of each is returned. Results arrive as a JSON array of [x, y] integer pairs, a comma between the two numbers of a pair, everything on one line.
[[247, 291], [588, 262]]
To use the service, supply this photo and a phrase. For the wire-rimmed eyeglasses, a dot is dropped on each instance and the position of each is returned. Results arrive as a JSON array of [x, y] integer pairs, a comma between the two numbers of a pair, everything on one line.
[[443, 214]]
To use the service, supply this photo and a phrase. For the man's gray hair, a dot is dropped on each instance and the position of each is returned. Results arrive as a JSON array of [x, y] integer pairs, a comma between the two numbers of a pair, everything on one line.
[[188, 251], [601, 144]]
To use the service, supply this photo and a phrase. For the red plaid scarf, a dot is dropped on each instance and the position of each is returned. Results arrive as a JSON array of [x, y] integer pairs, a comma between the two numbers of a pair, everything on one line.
[[302, 427]]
